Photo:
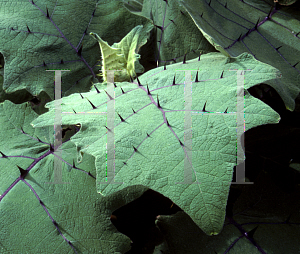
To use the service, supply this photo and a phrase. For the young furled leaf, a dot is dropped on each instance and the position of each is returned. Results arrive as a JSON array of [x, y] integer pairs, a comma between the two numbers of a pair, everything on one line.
[[122, 57]]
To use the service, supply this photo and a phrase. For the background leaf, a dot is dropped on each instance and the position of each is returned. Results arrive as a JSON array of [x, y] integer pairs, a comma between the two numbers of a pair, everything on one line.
[[40, 217], [59, 40], [255, 27]]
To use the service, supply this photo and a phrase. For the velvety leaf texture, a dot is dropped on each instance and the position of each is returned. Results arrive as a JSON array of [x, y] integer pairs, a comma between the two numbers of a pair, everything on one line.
[[122, 56], [123, 125], [270, 33], [149, 131], [40, 204], [48, 40]]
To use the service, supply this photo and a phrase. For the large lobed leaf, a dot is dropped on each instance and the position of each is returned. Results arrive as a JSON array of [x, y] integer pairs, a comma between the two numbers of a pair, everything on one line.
[[38, 213], [177, 37], [43, 35], [148, 135], [271, 34]]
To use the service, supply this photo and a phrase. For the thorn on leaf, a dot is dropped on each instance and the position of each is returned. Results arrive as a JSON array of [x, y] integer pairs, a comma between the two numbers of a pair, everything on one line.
[[204, 107], [97, 89], [131, 80], [74, 164], [80, 50], [180, 142], [55, 223], [296, 64], [251, 232], [122, 119], [22, 130], [91, 104], [158, 105], [3, 155], [184, 59], [138, 81], [222, 74], [167, 122], [108, 95], [196, 79], [160, 27], [148, 92], [23, 172], [173, 81]]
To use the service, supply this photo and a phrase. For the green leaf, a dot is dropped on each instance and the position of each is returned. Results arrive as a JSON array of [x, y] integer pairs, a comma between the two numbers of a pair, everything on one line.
[[295, 166], [30, 205], [147, 149], [254, 213], [180, 37], [58, 41], [286, 2], [212, 42], [123, 56], [271, 35]]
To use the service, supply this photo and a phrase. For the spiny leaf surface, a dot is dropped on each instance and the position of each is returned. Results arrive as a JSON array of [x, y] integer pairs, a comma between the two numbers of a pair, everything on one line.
[[150, 147]]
